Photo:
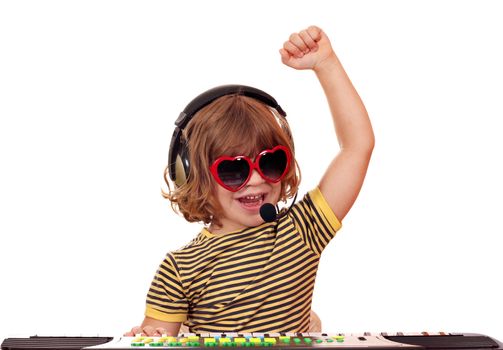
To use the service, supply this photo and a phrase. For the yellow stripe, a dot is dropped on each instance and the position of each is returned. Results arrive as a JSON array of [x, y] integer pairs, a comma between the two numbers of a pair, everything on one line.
[[159, 315], [274, 303], [235, 256], [195, 263], [273, 280], [208, 234], [275, 306], [303, 308], [321, 203], [167, 285]]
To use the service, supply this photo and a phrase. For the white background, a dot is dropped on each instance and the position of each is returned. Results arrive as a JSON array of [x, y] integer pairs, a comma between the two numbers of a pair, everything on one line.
[[89, 92]]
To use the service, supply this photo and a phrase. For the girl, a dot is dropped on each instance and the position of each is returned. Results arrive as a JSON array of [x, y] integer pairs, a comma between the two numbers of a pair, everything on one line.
[[241, 274]]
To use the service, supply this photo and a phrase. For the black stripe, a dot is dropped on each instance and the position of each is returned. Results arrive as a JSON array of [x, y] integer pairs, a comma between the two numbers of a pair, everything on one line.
[[165, 289], [164, 273], [188, 272], [243, 324], [168, 301], [267, 254], [249, 313], [304, 229], [247, 234], [278, 260], [306, 259], [193, 267], [270, 298], [285, 328], [242, 270], [313, 242], [266, 326], [181, 308], [259, 282], [260, 296]]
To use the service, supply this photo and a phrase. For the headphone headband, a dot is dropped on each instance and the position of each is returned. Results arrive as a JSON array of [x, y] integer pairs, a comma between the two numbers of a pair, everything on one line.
[[211, 95]]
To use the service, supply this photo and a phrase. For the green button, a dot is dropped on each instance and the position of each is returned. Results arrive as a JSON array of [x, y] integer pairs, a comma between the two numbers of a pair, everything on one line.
[[319, 341], [330, 340], [137, 344], [284, 339], [156, 344], [308, 340]]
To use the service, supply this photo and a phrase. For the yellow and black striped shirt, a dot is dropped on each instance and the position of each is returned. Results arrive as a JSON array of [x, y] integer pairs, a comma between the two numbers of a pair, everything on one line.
[[259, 279]]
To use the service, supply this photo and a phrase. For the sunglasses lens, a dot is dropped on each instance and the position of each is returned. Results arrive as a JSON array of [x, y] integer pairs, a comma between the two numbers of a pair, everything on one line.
[[273, 165], [233, 173]]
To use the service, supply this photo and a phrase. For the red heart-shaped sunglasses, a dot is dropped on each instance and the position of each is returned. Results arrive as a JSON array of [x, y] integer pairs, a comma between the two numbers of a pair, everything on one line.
[[233, 173]]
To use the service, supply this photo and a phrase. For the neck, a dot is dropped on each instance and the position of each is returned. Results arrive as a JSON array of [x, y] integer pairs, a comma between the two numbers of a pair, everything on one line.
[[220, 230]]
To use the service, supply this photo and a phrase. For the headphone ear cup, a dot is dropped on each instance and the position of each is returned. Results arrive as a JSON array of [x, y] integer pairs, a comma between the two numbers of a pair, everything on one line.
[[182, 165]]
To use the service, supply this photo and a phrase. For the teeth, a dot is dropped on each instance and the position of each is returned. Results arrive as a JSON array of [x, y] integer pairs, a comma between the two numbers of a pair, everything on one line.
[[253, 197]]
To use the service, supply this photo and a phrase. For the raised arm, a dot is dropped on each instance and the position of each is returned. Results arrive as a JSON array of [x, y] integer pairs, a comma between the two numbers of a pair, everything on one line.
[[342, 181]]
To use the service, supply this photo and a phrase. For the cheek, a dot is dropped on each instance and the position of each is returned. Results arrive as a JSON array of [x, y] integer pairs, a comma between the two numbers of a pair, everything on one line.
[[219, 198], [223, 196], [276, 190]]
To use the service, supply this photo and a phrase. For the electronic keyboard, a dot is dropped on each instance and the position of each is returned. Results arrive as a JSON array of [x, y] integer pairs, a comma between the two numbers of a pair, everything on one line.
[[277, 341]]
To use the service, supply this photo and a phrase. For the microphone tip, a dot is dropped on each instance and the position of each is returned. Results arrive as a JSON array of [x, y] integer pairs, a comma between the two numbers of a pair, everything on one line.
[[268, 212]]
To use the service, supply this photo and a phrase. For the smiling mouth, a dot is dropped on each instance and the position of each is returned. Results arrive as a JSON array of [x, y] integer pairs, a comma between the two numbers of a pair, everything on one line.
[[252, 200]]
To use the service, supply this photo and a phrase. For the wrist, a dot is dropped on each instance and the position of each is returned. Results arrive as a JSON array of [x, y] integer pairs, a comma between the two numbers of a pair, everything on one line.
[[328, 64]]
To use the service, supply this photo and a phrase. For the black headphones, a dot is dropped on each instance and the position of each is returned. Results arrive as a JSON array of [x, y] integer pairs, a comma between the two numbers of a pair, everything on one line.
[[178, 162]]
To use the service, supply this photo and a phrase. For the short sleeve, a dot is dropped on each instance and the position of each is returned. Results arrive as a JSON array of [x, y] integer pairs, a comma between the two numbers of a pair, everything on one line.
[[315, 220], [166, 298]]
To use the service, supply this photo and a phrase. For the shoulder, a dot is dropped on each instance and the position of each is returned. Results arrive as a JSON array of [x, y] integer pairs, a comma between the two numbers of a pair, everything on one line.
[[200, 237], [314, 207]]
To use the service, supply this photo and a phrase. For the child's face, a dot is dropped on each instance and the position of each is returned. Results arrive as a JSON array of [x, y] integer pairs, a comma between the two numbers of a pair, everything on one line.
[[241, 208]]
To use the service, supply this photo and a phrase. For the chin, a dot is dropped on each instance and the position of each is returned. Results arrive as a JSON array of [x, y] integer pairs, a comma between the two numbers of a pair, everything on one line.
[[253, 221]]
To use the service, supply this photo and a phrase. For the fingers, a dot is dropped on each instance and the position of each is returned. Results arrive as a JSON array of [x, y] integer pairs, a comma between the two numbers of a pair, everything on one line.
[[146, 331], [302, 43], [308, 40], [292, 49], [284, 55], [134, 331], [315, 33], [149, 331], [159, 331]]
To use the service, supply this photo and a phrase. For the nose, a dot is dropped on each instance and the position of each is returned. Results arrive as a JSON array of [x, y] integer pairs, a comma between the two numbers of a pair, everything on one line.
[[255, 179]]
